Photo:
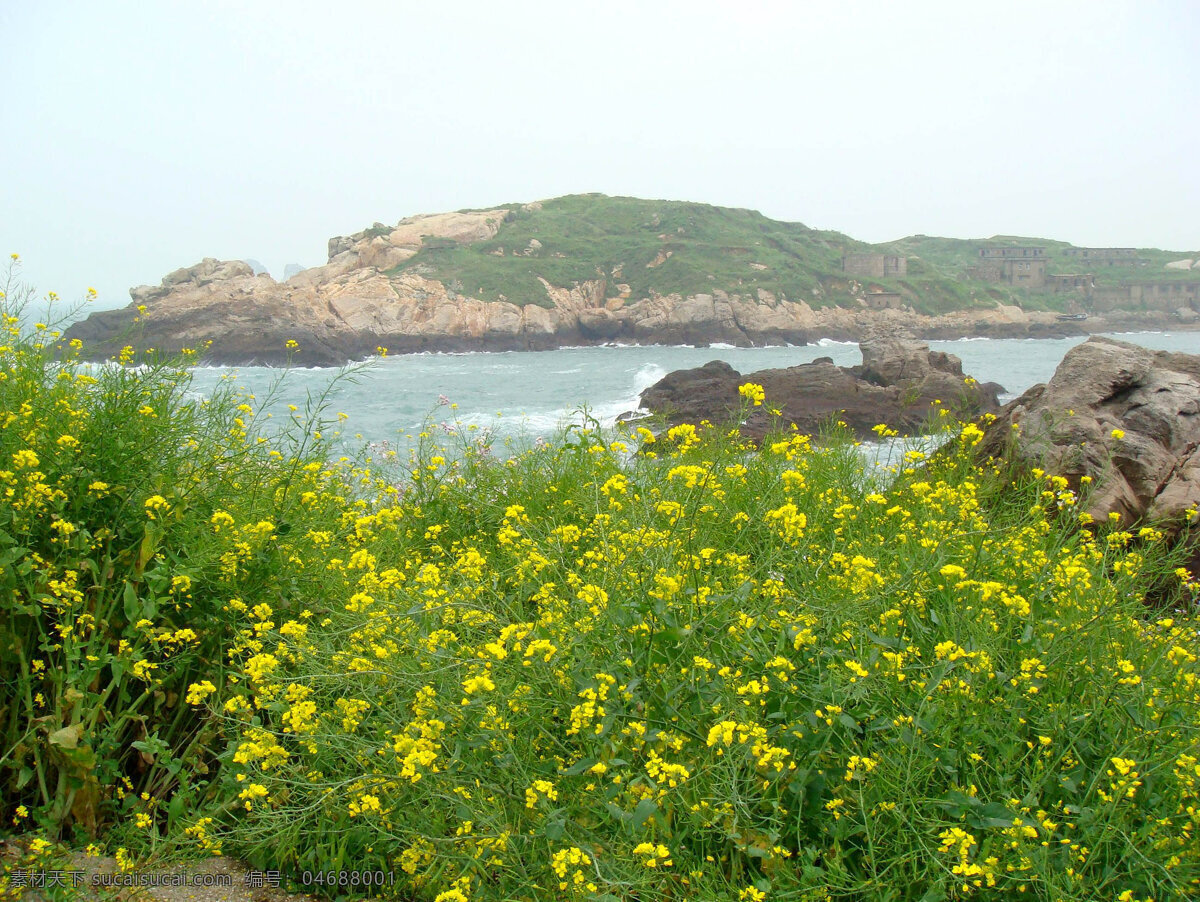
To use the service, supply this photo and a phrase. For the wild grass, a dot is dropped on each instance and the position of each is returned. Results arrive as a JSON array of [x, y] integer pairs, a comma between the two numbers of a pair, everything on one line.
[[613, 667]]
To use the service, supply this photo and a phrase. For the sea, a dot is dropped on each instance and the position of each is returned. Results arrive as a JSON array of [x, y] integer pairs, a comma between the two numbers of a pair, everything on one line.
[[515, 398]]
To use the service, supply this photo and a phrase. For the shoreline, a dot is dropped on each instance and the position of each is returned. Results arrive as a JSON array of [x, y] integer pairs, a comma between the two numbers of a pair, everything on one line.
[[959, 326]]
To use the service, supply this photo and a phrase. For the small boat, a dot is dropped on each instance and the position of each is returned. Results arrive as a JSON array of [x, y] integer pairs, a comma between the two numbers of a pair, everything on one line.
[[1071, 316]]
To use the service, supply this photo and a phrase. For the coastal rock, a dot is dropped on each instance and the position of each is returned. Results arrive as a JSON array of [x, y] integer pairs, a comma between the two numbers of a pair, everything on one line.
[[205, 272], [1123, 415], [901, 383]]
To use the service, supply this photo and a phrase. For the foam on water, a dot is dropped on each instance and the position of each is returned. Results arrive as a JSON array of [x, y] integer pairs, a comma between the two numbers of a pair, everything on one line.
[[645, 376], [538, 392], [835, 343]]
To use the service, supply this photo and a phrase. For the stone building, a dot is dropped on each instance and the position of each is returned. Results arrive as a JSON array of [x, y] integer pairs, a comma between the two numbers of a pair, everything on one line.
[[1011, 253], [1024, 267], [1163, 296], [874, 266], [1104, 256], [884, 300], [1083, 283]]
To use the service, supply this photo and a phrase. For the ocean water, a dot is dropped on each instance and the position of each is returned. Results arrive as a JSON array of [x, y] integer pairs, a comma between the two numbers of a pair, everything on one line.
[[520, 396]]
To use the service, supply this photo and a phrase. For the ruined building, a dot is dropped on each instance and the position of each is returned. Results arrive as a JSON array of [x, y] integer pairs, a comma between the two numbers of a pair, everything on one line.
[[1104, 256], [1081, 283], [874, 266], [883, 300], [1164, 296], [1024, 267]]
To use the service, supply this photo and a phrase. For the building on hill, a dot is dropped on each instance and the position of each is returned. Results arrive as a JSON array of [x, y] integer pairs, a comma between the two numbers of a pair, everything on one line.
[[1024, 267], [1163, 296], [874, 266], [1082, 283], [1011, 253], [1105, 256], [884, 300]]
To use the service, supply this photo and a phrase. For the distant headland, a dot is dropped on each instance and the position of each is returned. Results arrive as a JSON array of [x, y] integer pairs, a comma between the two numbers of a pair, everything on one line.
[[592, 269]]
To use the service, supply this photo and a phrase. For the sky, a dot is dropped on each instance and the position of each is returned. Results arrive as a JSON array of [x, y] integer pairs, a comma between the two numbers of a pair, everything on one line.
[[141, 137]]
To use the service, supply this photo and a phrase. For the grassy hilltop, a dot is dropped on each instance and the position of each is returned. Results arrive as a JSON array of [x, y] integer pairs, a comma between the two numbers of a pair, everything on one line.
[[664, 247], [591, 236]]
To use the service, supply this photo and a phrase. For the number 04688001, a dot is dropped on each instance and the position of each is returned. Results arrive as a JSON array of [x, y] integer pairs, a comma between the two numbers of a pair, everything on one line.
[[347, 878]]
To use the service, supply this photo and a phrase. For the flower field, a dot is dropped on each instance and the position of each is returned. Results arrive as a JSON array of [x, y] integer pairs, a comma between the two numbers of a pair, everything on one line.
[[610, 668]]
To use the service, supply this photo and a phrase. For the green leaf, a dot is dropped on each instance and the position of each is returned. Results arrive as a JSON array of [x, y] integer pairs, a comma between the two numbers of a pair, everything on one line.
[[617, 812], [993, 814], [176, 808], [956, 803], [578, 767], [132, 607], [11, 555], [885, 641], [645, 810], [149, 545]]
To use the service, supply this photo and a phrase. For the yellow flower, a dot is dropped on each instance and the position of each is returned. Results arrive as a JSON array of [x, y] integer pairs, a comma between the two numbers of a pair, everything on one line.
[[198, 692], [366, 804], [752, 392], [156, 505], [540, 789], [653, 855], [1118, 434], [482, 683]]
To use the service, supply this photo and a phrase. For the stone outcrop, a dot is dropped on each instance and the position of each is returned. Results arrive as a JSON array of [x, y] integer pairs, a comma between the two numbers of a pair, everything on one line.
[[1126, 416], [205, 272], [900, 383]]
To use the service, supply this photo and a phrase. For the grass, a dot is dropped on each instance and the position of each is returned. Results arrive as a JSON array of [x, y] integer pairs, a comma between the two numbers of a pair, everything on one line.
[[587, 237], [614, 667], [673, 247]]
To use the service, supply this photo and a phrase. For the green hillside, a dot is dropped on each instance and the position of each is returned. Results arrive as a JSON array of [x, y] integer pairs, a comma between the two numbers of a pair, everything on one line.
[[650, 247]]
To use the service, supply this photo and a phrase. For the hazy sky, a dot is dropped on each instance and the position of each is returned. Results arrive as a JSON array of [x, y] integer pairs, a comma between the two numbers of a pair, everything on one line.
[[139, 137]]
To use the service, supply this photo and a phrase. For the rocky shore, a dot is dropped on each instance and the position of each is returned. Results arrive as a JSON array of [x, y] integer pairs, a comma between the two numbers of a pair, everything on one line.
[[1121, 423], [360, 301]]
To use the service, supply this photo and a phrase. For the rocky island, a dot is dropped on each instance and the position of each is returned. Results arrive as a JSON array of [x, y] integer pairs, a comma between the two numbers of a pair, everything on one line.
[[589, 269]]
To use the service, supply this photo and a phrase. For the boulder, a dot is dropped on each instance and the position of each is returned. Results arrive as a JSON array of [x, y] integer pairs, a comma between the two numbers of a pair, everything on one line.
[[901, 383], [1123, 415]]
